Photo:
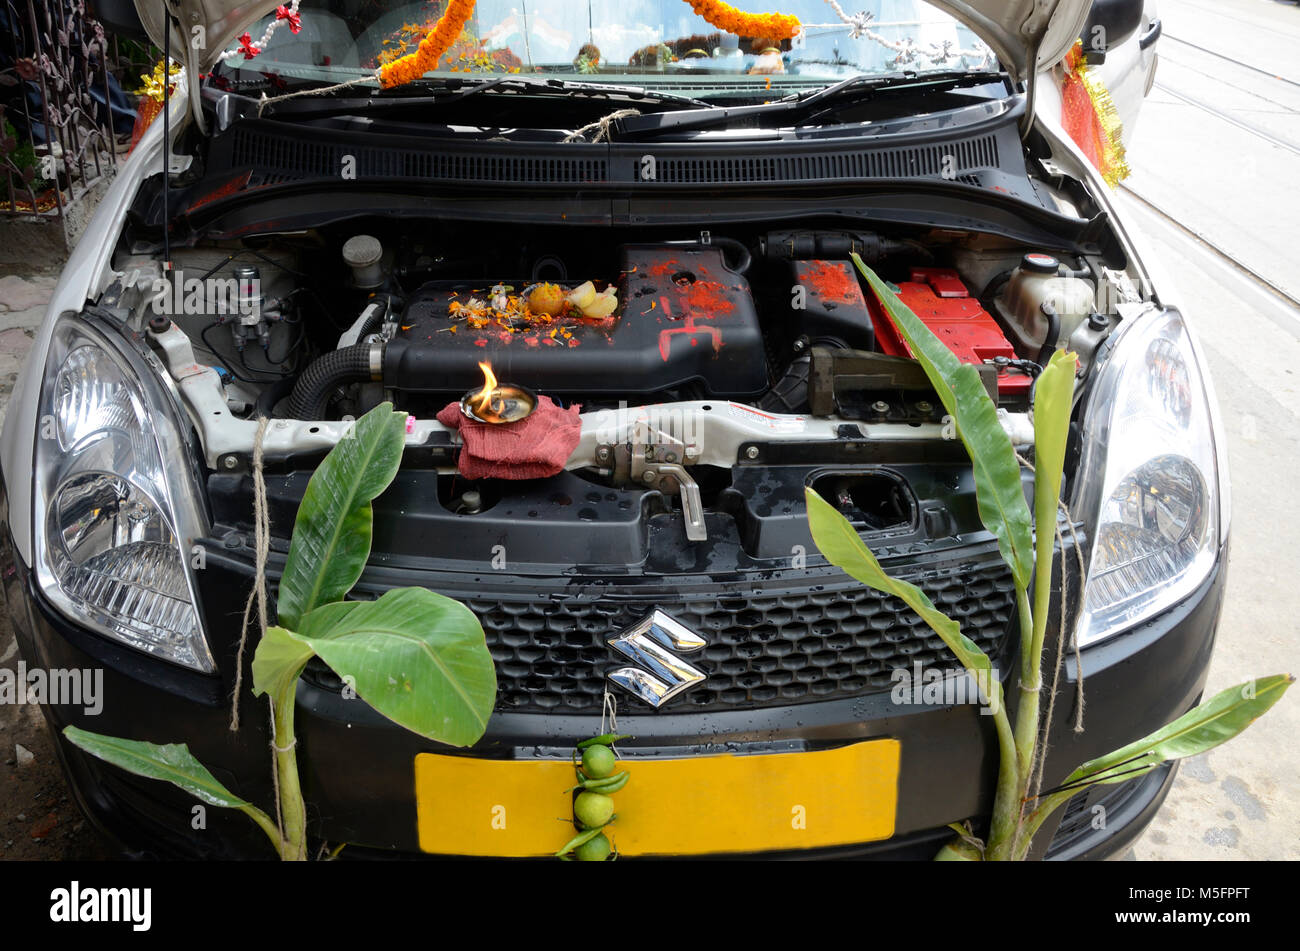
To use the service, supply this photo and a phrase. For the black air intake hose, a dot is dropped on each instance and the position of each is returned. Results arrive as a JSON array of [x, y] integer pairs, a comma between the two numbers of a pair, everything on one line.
[[311, 393], [743, 259], [270, 396], [790, 394], [836, 245]]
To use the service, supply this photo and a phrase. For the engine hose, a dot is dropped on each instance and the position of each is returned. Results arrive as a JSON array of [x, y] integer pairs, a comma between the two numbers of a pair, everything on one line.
[[743, 258], [311, 393], [790, 394], [1053, 332], [994, 287], [1083, 273], [271, 395]]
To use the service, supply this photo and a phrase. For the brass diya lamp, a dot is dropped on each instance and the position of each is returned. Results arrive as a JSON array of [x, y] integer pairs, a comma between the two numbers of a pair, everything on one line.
[[497, 403]]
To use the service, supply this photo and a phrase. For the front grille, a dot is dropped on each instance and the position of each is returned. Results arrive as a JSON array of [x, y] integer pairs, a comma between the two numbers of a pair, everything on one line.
[[1086, 815], [763, 649]]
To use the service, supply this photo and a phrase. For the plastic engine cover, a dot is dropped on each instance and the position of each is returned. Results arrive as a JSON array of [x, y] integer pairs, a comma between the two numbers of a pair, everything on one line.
[[683, 316]]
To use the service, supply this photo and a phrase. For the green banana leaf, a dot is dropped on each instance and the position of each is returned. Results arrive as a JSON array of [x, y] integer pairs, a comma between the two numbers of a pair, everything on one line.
[[998, 492], [418, 658], [1215, 721], [172, 763], [838, 540], [1053, 403], [278, 661], [332, 533]]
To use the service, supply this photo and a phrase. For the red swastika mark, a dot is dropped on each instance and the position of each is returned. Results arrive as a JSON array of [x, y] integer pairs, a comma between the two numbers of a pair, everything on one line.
[[689, 327]]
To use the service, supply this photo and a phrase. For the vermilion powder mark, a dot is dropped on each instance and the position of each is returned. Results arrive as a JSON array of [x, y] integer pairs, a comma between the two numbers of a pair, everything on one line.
[[831, 282], [708, 298], [691, 328]]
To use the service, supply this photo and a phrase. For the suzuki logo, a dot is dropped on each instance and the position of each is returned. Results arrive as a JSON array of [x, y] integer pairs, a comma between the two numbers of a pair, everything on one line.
[[661, 675]]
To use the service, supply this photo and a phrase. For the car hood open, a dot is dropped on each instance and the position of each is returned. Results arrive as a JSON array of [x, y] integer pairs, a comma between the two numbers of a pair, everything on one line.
[[1018, 31]]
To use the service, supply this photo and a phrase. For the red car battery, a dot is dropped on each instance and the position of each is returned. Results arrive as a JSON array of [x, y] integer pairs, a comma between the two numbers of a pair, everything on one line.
[[938, 296]]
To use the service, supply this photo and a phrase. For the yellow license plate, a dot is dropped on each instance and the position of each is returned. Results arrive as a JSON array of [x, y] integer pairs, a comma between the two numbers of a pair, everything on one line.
[[690, 806]]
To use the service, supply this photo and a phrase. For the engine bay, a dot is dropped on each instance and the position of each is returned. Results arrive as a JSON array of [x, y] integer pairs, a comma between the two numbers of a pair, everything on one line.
[[689, 360], [324, 324]]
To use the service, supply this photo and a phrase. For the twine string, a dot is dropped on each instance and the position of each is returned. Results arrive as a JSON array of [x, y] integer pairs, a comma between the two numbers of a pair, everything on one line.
[[262, 546], [601, 126]]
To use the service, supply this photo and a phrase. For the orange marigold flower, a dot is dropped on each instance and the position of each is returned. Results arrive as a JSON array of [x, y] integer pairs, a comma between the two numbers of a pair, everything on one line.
[[431, 48], [781, 26]]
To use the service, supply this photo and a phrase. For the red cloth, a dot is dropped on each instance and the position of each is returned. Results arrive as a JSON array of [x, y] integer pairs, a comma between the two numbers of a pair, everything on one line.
[[533, 448]]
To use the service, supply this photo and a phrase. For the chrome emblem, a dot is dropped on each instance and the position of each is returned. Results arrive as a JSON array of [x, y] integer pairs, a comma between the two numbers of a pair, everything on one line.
[[650, 643]]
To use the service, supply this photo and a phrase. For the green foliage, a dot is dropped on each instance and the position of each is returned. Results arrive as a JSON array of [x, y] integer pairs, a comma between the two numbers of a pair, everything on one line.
[[332, 533], [418, 658], [1054, 396], [23, 158], [837, 539], [1215, 721], [171, 763], [998, 492], [1005, 514]]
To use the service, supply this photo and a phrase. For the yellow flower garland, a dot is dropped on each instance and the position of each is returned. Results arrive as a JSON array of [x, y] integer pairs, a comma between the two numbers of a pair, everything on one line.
[[431, 48], [152, 83], [776, 26]]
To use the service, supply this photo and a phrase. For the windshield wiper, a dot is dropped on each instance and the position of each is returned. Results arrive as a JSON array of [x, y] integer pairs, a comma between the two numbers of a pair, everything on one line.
[[805, 106], [457, 89]]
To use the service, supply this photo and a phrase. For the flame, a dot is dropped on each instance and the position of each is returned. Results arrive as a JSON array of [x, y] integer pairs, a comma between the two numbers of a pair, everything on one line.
[[483, 402]]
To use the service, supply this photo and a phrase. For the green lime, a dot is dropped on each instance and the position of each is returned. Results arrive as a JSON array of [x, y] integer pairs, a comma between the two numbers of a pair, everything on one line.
[[593, 809], [598, 761], [593, 850]]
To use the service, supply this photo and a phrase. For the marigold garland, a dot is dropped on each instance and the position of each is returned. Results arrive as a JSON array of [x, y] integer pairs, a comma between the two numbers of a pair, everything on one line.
[[431, 48], [778, 26]]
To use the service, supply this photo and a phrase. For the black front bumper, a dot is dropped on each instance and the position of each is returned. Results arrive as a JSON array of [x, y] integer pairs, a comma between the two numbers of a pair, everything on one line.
[[358, 767]]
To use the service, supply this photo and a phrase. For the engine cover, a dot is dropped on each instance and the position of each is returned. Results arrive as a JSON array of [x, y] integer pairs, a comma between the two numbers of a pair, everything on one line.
[[683, 316]]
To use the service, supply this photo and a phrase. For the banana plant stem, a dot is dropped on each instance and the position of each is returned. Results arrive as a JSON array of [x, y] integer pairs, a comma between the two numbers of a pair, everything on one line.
[[293, 812], [1013, 781]]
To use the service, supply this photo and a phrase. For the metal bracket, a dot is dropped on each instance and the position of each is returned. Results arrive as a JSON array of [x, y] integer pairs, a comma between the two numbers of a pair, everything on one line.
[[658, 465]]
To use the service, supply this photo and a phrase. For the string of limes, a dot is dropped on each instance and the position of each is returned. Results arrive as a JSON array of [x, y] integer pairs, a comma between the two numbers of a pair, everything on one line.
[[593, 808]]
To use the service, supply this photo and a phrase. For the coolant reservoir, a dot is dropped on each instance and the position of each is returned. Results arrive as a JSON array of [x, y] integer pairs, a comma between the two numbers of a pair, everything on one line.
[[1037, 282]]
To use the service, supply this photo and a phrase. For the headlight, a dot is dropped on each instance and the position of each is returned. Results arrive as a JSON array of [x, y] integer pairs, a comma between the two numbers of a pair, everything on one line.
[[1150, 476], [115, 510]]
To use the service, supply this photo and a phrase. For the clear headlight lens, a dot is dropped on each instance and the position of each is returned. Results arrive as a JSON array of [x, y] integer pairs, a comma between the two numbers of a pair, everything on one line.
[[1150, 473], [115, 508]]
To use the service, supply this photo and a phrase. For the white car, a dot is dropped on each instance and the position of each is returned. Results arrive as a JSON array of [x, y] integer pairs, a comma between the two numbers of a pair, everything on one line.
[[319, 245]]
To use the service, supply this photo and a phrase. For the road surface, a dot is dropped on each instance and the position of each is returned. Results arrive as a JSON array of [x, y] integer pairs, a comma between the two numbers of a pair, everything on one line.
[[1216, 190]]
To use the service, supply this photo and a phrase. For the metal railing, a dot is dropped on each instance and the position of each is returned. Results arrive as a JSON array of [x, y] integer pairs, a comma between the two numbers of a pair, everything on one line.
[[56, 123]]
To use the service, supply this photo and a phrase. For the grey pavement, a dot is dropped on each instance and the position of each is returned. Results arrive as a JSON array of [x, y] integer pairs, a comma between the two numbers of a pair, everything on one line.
[[22, 306], [1218, 152]]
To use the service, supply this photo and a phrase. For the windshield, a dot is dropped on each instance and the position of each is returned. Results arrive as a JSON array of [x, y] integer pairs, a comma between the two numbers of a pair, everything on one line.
[[660, 44]]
